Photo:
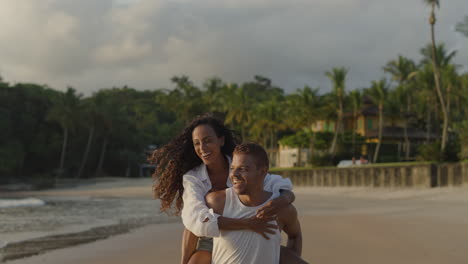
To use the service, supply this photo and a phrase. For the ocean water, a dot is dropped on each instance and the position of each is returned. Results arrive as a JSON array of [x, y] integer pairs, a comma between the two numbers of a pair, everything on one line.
[[25, 219]]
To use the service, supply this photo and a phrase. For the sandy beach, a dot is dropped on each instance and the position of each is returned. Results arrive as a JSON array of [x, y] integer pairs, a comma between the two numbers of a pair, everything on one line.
[[339, 225]]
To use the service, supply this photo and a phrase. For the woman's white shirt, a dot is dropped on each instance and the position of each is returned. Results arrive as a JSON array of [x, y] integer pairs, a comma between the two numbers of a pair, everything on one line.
[[200, 219]]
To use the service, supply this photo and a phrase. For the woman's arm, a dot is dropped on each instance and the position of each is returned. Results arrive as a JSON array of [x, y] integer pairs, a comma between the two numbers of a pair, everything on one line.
[[196, 216], [189, 245], [275, 183], [255, 224], [202, 221]]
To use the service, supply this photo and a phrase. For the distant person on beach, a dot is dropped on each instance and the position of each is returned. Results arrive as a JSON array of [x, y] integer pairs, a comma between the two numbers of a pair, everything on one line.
[[196, 162], [248, 170]]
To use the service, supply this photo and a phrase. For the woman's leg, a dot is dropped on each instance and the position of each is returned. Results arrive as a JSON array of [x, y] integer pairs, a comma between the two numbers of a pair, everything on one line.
[[189, 246], [200, 257]]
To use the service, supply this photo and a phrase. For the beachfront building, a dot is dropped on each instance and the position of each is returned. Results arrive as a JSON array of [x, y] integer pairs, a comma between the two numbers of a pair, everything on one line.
[[366, 124], [291, 157]]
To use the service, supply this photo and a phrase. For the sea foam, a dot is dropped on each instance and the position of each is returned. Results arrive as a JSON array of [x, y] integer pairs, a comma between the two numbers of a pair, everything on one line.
[[9, 203]]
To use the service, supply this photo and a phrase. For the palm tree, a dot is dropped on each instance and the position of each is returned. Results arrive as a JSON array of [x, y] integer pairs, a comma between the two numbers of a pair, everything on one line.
[[377, 93], [238, 108], [267, 120], [462, 27], [443, 56], [65, 113], [356, 101], [110, 116], [185, 98], [91, 114], [425, 98], [403, 70], [338, 77], [452, 84], [432, 21], [213, 92], [303, 111], [463, 94]]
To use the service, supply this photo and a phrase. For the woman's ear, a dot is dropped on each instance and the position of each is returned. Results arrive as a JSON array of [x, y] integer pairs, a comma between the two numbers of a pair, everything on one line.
[[222, 141]]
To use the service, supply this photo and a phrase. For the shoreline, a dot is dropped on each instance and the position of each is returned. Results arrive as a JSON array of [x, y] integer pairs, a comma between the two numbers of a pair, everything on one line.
[[24, 243], [40, 245], [154, 243], [352, 225]]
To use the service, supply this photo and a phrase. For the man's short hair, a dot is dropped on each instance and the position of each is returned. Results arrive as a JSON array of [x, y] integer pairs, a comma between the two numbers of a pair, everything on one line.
[[255, 150]]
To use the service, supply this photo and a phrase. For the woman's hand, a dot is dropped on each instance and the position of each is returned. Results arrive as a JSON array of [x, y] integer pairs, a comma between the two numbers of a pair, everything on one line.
[[272, 207], [261, 225]]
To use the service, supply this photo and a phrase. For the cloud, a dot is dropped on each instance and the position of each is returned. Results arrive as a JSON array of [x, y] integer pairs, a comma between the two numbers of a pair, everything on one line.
[[96, 44], [125, 51]]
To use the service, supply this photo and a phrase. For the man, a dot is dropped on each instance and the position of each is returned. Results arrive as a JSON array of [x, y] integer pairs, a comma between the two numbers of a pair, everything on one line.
[[248, 170]]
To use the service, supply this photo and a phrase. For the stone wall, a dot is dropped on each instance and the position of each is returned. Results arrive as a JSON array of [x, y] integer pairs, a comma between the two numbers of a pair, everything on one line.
[[419, 176]]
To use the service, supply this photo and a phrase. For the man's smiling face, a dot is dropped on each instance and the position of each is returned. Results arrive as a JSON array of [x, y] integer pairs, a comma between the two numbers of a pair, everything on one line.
[[245, 175]]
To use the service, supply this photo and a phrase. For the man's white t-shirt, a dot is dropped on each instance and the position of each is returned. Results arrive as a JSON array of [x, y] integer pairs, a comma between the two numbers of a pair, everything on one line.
[[244, 246]]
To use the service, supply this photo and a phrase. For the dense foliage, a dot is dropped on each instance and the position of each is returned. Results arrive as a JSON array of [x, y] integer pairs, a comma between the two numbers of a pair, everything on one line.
[[47, 133]]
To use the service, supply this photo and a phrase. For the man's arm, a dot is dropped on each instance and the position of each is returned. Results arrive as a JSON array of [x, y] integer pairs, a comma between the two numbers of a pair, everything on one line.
[[291, 226]]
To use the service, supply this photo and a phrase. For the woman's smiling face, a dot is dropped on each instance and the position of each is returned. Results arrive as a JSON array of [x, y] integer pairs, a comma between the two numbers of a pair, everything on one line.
[[207, 144]]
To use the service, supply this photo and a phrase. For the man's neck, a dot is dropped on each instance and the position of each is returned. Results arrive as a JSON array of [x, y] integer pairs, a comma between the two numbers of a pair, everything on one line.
[[255, 198]]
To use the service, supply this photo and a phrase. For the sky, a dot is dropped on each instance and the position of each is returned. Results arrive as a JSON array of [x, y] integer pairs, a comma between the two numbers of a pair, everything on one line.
[[94, 44]]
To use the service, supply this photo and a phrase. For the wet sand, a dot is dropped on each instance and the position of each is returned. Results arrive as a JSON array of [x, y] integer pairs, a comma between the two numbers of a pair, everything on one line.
[[340, 225]]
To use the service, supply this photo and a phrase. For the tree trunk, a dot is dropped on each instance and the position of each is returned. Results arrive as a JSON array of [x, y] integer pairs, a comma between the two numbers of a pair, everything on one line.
[[101, 157], [449, 91], [64, 148], [86, 153], [242, 133], [272, 138], [335, 136], [377, 148], [354, 130], [127, 170], [272, 147], [428, 121], [405, 131], [407, 150], [299, 156], [437, 82], [337, 126], [311, 147]]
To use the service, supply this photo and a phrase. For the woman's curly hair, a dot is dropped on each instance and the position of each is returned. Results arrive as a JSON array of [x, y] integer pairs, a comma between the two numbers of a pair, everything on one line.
[[178, 157]]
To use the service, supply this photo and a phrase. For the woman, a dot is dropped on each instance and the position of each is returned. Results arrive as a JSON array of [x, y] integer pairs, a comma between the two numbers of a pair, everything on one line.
[[196, 162]]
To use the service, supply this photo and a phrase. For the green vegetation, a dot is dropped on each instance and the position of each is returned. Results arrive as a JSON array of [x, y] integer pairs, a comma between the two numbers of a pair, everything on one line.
[[462, 27], [46, 133]]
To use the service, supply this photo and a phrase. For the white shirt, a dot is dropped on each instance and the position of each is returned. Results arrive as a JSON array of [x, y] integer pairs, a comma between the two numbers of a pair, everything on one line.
[[242, 246], [200, 219]]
